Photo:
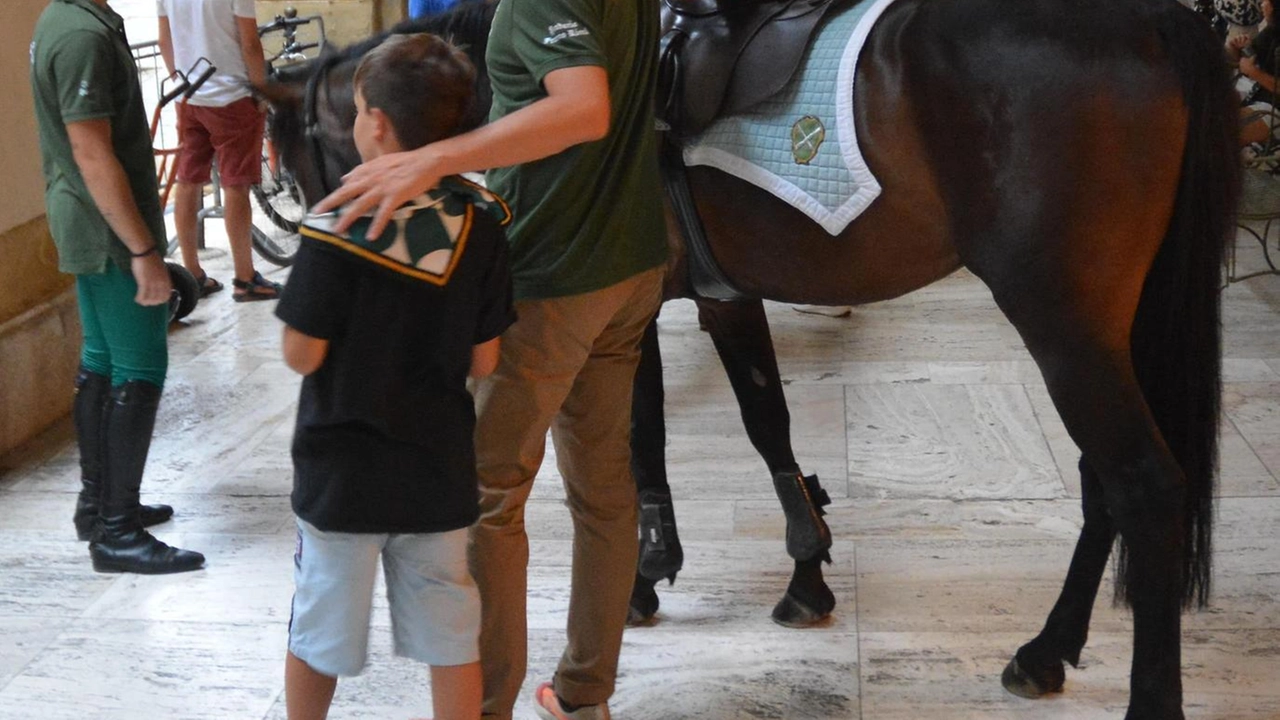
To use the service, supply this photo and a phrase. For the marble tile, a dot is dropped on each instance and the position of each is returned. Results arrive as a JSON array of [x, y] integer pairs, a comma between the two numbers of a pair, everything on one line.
[[965, 585], [46, 576], [1248, 370], [204, 432], [955, 513], [246, 579], [50, 513], [962, 442], [1010, 520], [1005, 372], [744, 674], [24, 639], [128, 669], [911, 675], [1241, 470]]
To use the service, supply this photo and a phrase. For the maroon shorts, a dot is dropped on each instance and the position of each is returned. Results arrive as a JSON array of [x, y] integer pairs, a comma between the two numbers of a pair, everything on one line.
[[232, 132]]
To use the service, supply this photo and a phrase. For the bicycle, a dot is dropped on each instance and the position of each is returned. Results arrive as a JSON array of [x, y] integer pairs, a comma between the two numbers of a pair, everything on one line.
[[278, 195]]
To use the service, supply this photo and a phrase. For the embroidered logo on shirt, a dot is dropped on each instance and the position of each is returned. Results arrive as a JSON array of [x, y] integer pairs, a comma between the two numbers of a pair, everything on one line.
[[560, 31], [84, 88]]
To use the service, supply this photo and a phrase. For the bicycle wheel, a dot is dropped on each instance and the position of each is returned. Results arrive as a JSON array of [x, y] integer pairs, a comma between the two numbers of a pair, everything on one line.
[[280, 208]]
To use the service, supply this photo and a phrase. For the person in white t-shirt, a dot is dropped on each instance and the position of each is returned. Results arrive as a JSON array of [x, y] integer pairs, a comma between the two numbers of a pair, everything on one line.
[[221, 119]]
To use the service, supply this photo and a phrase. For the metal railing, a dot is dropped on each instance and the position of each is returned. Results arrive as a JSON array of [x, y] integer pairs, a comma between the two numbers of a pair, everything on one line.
[[151, 76]]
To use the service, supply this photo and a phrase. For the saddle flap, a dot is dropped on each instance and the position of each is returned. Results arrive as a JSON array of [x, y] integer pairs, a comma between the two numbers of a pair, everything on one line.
[[772, 57], [723, 59]]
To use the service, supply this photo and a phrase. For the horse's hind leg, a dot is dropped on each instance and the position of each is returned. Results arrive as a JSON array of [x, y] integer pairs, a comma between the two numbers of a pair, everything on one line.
[[740, 332], [661, 555], [1037, 668], [1086, 360]]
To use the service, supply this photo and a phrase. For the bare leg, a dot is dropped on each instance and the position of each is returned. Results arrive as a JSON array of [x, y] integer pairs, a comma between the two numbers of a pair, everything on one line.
[[455, 691], [307, 693], [238, 218], [186, 206]]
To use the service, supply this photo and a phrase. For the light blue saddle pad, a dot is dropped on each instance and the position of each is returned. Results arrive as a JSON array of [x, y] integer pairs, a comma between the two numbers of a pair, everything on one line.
[[800, 144]]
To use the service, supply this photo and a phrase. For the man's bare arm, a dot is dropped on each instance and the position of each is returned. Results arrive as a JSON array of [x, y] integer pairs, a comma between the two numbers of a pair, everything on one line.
[[251, 50], [166, 44], [109, 186], [576, 110]]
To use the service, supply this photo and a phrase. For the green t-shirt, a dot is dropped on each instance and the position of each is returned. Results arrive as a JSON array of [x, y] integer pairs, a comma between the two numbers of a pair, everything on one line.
[[82, 69], [590, 216]]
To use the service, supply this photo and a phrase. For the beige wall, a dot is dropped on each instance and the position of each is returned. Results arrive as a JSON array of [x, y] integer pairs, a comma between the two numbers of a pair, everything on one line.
[[29, 273], [20, 183], [39, 329]]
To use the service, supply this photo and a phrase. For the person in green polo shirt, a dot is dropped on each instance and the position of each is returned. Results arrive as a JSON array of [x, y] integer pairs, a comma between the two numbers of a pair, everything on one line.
[[571, 146], [105, 217]]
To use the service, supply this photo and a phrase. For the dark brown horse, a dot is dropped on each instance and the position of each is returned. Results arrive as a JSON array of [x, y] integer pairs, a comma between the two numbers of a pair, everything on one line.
[[1078, 157]]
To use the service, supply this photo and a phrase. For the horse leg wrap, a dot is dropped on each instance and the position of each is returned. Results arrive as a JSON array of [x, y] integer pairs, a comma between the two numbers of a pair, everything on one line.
[[802, 501], [660, 552]]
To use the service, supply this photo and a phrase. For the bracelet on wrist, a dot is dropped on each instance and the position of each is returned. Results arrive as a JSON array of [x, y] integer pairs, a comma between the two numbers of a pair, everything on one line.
[[144, 253]]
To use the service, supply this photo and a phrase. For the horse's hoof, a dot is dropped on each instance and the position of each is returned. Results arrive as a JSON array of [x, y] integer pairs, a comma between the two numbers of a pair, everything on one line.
[[1021, 683], [793, 613], [643, 610]]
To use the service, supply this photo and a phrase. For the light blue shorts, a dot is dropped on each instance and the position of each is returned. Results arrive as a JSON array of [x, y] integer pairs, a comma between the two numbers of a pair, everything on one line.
[[435, 608]]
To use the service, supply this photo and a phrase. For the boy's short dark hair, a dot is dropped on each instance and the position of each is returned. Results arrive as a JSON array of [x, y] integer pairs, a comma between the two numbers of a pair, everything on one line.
[[423, 84]]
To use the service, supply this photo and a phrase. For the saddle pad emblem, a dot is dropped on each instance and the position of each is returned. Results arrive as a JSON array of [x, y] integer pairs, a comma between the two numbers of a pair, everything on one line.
[[807, 135]]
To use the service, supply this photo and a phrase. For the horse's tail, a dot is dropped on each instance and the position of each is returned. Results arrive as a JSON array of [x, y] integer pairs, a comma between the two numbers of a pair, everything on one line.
[[1176, 339]]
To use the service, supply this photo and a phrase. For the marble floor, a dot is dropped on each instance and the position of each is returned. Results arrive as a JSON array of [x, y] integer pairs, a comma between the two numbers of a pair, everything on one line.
[[955, 511]]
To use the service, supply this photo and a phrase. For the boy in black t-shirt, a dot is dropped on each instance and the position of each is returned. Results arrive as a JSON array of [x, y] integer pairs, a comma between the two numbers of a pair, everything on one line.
[[386, 331]]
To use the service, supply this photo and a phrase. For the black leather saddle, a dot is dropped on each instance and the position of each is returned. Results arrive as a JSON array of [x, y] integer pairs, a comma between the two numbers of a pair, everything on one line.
[[720, 57]]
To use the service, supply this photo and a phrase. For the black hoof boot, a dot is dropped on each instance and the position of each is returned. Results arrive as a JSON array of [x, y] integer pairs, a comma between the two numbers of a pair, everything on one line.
[[643, 609], [802, 501], [660, 553], [86, 517], [1033, 681]]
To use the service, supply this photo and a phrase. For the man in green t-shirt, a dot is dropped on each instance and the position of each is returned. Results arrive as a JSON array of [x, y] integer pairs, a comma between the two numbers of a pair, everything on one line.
[[571, 146], [105, 217]]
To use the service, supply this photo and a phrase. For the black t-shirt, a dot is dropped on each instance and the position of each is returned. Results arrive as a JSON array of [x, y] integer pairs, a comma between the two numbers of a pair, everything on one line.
[[383, 441]]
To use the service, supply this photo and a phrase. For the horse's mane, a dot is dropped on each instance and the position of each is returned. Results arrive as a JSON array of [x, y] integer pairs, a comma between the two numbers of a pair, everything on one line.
[[465, 25]]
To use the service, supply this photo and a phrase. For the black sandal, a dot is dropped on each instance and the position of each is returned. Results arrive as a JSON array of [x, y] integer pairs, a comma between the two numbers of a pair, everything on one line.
[[259, 288], [207, 285]]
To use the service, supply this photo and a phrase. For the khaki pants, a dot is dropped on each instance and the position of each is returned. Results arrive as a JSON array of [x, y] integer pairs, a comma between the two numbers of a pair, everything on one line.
[[567, 365]]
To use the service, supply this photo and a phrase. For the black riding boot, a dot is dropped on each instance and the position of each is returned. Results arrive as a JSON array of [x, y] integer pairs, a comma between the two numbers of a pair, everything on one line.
[[121, 544], [92, 393], [802, 501], [660, 552]]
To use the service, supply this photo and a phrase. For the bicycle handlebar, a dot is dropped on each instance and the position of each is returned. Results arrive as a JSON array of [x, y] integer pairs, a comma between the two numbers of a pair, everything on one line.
[[288, 24], [200, 81], [187, 87]]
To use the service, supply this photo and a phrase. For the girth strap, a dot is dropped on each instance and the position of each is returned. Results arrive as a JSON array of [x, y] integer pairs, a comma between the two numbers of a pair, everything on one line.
[[705, 276]]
